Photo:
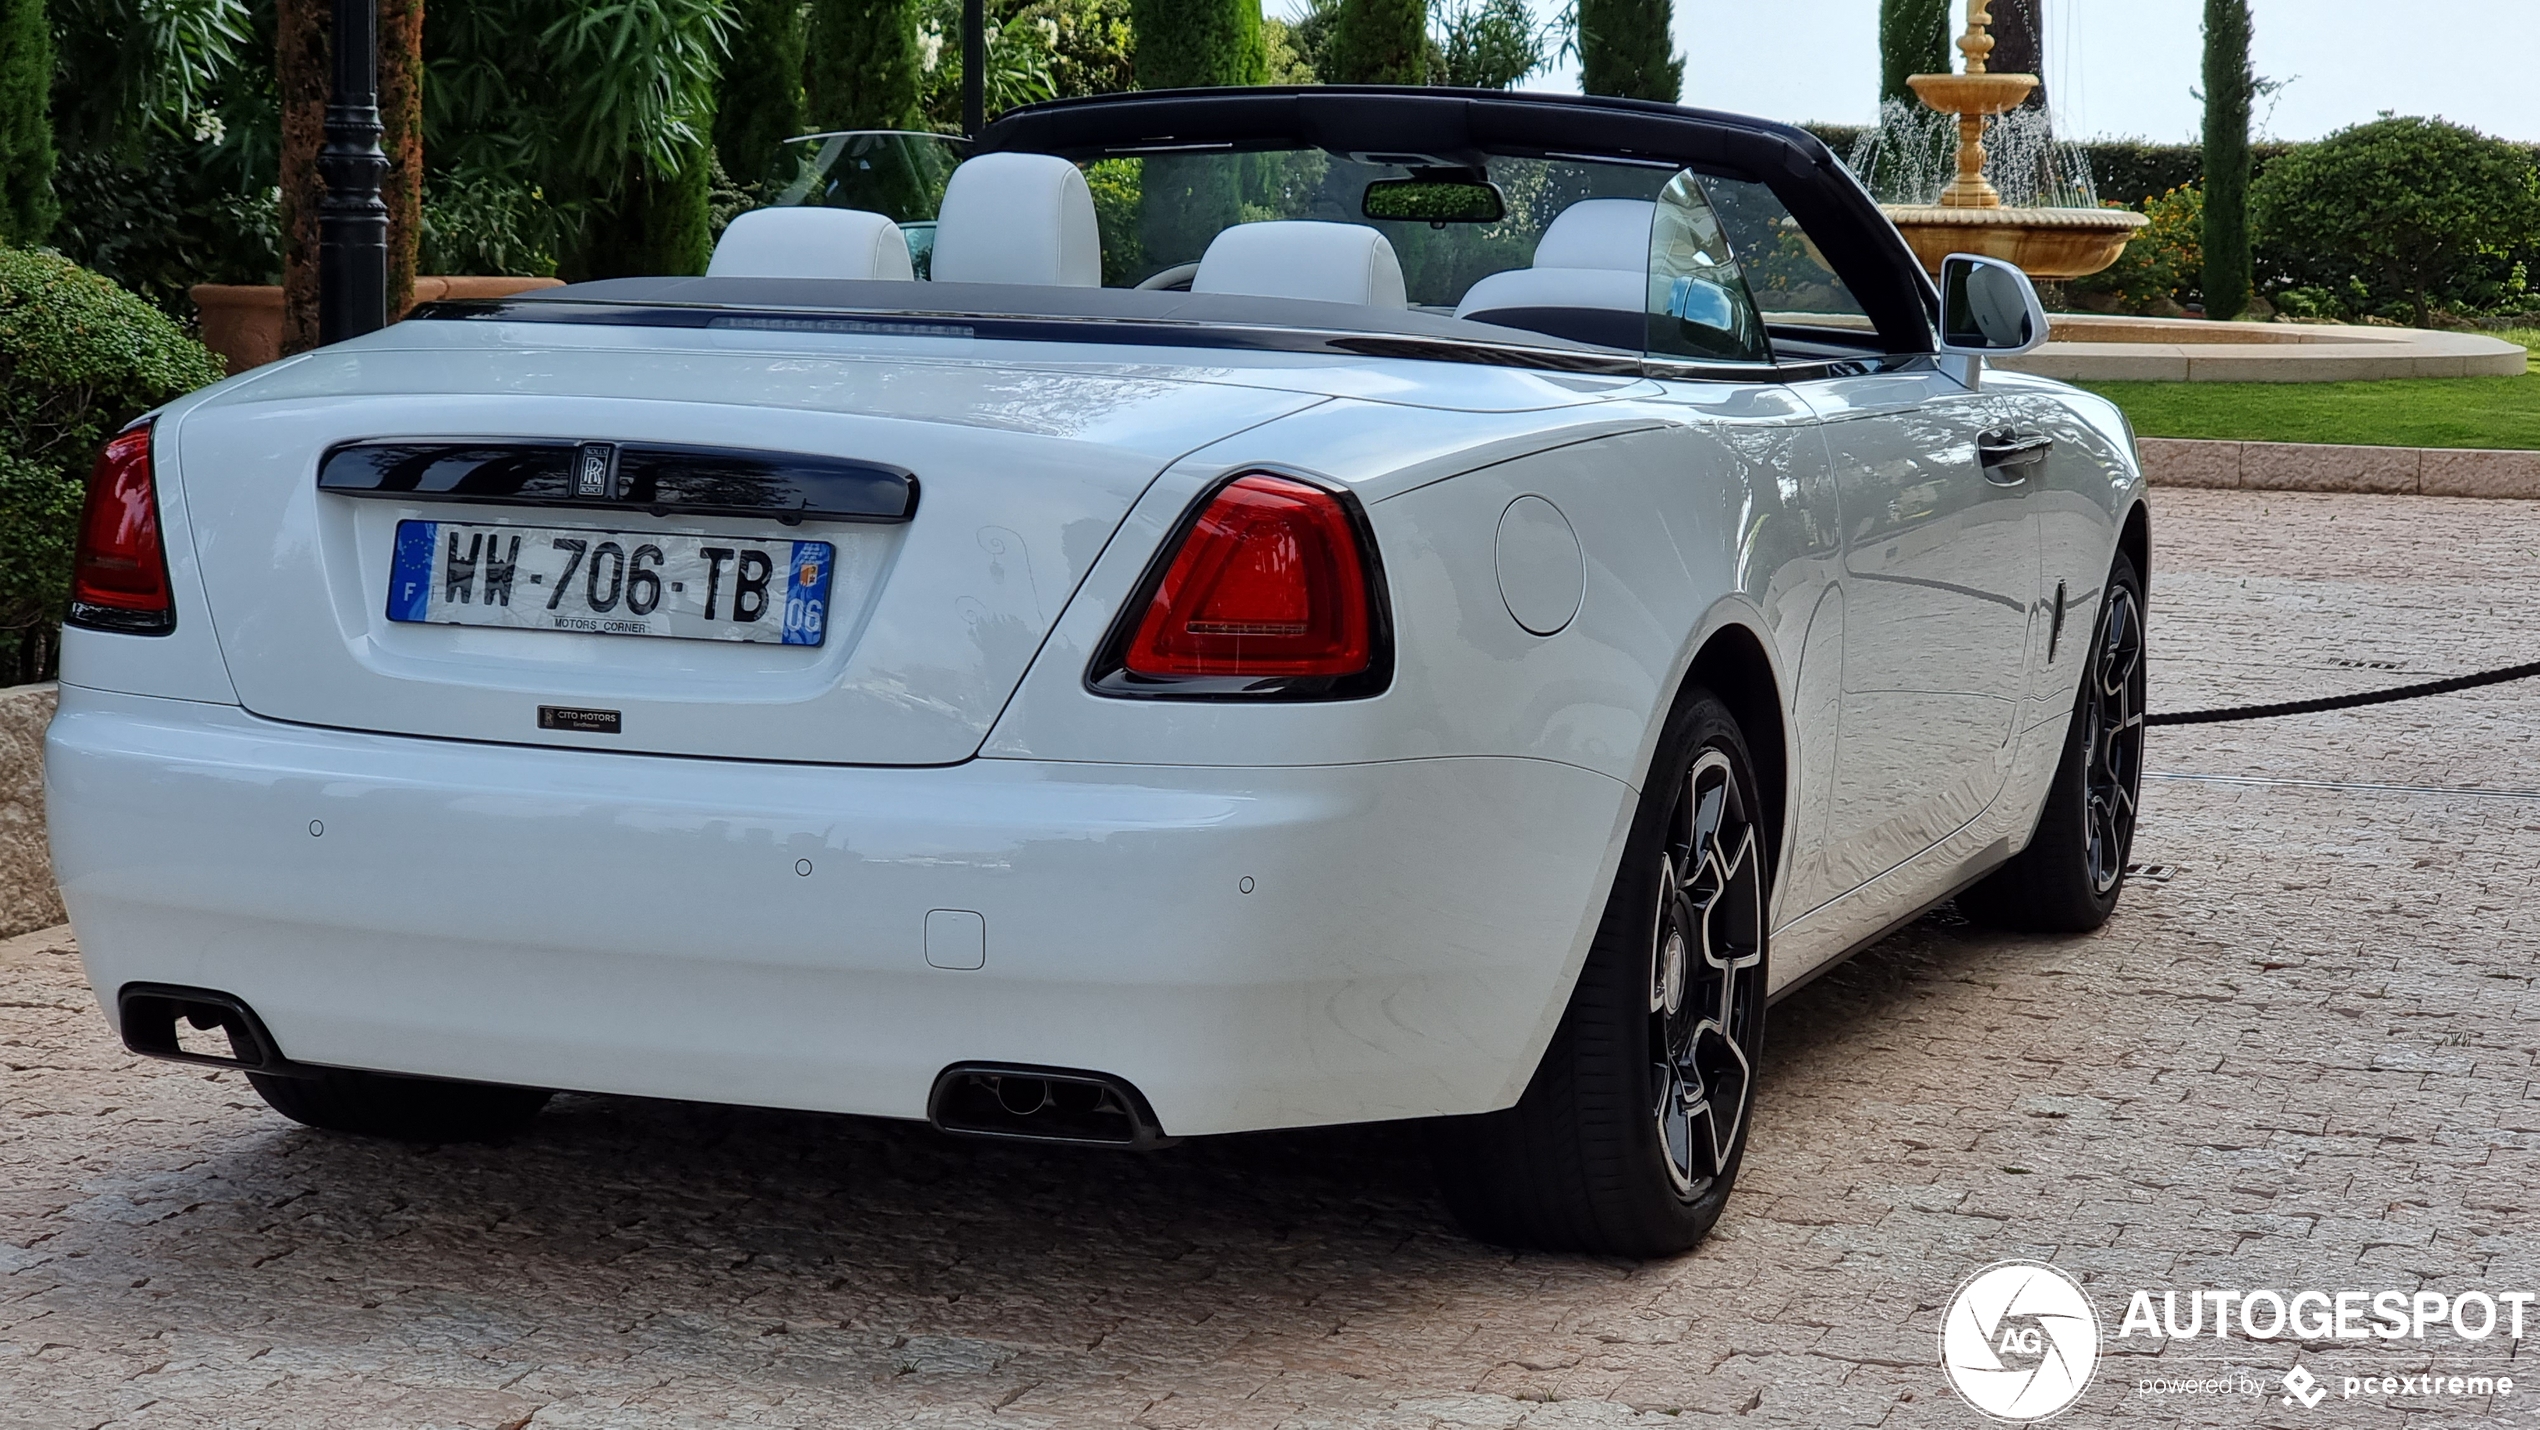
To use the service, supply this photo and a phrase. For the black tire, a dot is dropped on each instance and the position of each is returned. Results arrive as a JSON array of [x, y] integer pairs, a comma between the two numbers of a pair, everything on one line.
[[1615, 1148], [409, 1109], [2068, 878]]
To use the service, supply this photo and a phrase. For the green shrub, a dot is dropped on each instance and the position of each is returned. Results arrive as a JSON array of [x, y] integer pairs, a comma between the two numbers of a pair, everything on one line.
[[2160, 271], [165, 220], [1021, 57], [488, 223], [1115, 185], [2400, 215], [1489, 44], [79, 358], [1094, 51]]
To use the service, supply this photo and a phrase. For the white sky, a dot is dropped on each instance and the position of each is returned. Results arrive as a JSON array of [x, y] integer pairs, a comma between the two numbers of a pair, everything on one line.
[[2129, 67]]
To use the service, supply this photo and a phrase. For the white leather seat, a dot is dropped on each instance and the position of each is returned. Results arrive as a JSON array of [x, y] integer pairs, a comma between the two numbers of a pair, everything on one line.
[[1595, 255], [1018, 218], [1295, 258], [811, 243]]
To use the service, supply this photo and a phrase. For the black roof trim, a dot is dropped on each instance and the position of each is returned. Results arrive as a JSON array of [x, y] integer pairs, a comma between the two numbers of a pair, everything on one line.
[[1457, 126]]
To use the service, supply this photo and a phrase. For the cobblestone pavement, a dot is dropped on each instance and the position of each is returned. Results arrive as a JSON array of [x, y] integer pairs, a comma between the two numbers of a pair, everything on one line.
[[2305, 1060]]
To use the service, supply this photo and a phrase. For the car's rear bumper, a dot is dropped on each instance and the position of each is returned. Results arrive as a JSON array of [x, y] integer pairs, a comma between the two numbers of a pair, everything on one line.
[[1250, 947]]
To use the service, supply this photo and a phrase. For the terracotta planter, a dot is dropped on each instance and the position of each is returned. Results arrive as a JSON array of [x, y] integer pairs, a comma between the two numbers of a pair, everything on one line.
[[243, 322]]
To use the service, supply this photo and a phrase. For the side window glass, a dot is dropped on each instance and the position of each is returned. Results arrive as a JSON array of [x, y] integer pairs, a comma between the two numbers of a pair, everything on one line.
[[1699, 306], [1783, 267]]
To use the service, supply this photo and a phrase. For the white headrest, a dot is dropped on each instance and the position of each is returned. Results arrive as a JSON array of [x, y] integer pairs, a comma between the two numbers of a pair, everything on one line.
[[1599, 233], [1293, 258], [811, 243], [1603, 288], [1018, 218]]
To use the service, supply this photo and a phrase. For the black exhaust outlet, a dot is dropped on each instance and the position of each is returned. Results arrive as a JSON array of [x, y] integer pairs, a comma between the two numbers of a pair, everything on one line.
[[149, 1014], [1026, 1104]]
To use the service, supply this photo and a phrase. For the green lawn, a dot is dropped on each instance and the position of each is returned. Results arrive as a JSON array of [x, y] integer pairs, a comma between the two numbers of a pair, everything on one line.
[[2418, 412]]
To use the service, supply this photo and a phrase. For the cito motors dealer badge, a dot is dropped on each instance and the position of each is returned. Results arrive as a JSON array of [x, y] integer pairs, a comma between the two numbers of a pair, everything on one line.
[[2020, 1341]]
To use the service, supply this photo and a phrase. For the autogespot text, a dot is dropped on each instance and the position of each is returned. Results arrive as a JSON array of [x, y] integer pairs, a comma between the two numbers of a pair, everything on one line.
[[2267, 1315]]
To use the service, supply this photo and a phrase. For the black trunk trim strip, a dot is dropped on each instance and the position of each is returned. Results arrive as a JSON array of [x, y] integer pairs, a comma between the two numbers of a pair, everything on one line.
[[660, 478]]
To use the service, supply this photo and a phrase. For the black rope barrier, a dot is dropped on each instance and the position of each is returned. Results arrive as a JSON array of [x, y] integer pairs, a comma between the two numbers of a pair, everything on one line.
[[2347, 702]]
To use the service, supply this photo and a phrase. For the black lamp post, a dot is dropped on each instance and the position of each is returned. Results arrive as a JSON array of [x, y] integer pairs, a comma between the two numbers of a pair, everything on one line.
[[352, 218], [974, 66]]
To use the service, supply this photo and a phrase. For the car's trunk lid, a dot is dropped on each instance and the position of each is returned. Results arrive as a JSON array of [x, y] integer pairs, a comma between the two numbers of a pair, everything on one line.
[[1020, 479]]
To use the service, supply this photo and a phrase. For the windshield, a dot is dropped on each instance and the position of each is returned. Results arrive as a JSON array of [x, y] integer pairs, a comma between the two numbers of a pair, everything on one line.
[[1643, 259]]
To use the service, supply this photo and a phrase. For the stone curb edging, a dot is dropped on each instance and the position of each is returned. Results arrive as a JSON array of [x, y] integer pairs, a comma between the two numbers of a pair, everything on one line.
[[2319, 467]]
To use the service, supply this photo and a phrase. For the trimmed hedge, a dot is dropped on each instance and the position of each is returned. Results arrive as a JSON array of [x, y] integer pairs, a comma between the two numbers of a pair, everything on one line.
[[79, 358], [2401, 217]]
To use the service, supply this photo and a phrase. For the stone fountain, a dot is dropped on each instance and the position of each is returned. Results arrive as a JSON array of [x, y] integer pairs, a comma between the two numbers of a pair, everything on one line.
[[1970, 217]]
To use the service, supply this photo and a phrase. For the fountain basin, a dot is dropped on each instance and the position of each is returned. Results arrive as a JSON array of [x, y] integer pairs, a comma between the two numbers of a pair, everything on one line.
[[2048, 244], [1972, 93]]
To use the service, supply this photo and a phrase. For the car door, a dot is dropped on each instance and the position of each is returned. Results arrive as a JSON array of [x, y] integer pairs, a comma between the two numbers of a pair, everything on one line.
[[1940, 574], [1937, 571]]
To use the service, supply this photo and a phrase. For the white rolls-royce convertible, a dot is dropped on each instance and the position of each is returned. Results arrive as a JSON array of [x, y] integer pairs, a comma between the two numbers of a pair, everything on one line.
[[1218, 610]]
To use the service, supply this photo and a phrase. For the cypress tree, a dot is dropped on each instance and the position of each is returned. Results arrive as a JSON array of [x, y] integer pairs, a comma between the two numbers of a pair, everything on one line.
[[761, 105], [1626, 50], [861, 70], [27, 209], [1378, 42], [2019, 45], [300, 72], [2229, 86], [401, 124], [1193, 44], [658, 225], [1913, 39]]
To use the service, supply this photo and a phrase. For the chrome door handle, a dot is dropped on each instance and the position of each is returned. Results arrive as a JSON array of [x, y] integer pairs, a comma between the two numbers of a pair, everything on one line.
[[2010, 456]]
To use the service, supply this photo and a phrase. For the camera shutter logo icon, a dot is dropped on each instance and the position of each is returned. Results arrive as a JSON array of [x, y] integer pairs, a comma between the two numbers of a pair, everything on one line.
[[2020, 1341]]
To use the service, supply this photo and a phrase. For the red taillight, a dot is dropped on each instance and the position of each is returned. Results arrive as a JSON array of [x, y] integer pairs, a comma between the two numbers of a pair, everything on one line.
[[119, 581], [1268, 584]]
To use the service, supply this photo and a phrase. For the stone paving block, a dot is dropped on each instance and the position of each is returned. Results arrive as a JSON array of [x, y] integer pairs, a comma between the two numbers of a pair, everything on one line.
[[2312, 1056]]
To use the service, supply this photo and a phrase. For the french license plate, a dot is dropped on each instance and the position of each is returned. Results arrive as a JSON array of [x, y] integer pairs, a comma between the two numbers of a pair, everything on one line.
[[620, 583]]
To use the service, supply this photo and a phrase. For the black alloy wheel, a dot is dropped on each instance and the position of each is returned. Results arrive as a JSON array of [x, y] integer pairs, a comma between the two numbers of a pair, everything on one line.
[[1629, 1137], [1706, 985], [2112, 735], [2068, 878]]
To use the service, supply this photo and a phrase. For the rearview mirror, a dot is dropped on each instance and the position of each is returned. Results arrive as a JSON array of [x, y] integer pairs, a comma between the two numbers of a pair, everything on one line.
[[1430, 199], [1988, 308]]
